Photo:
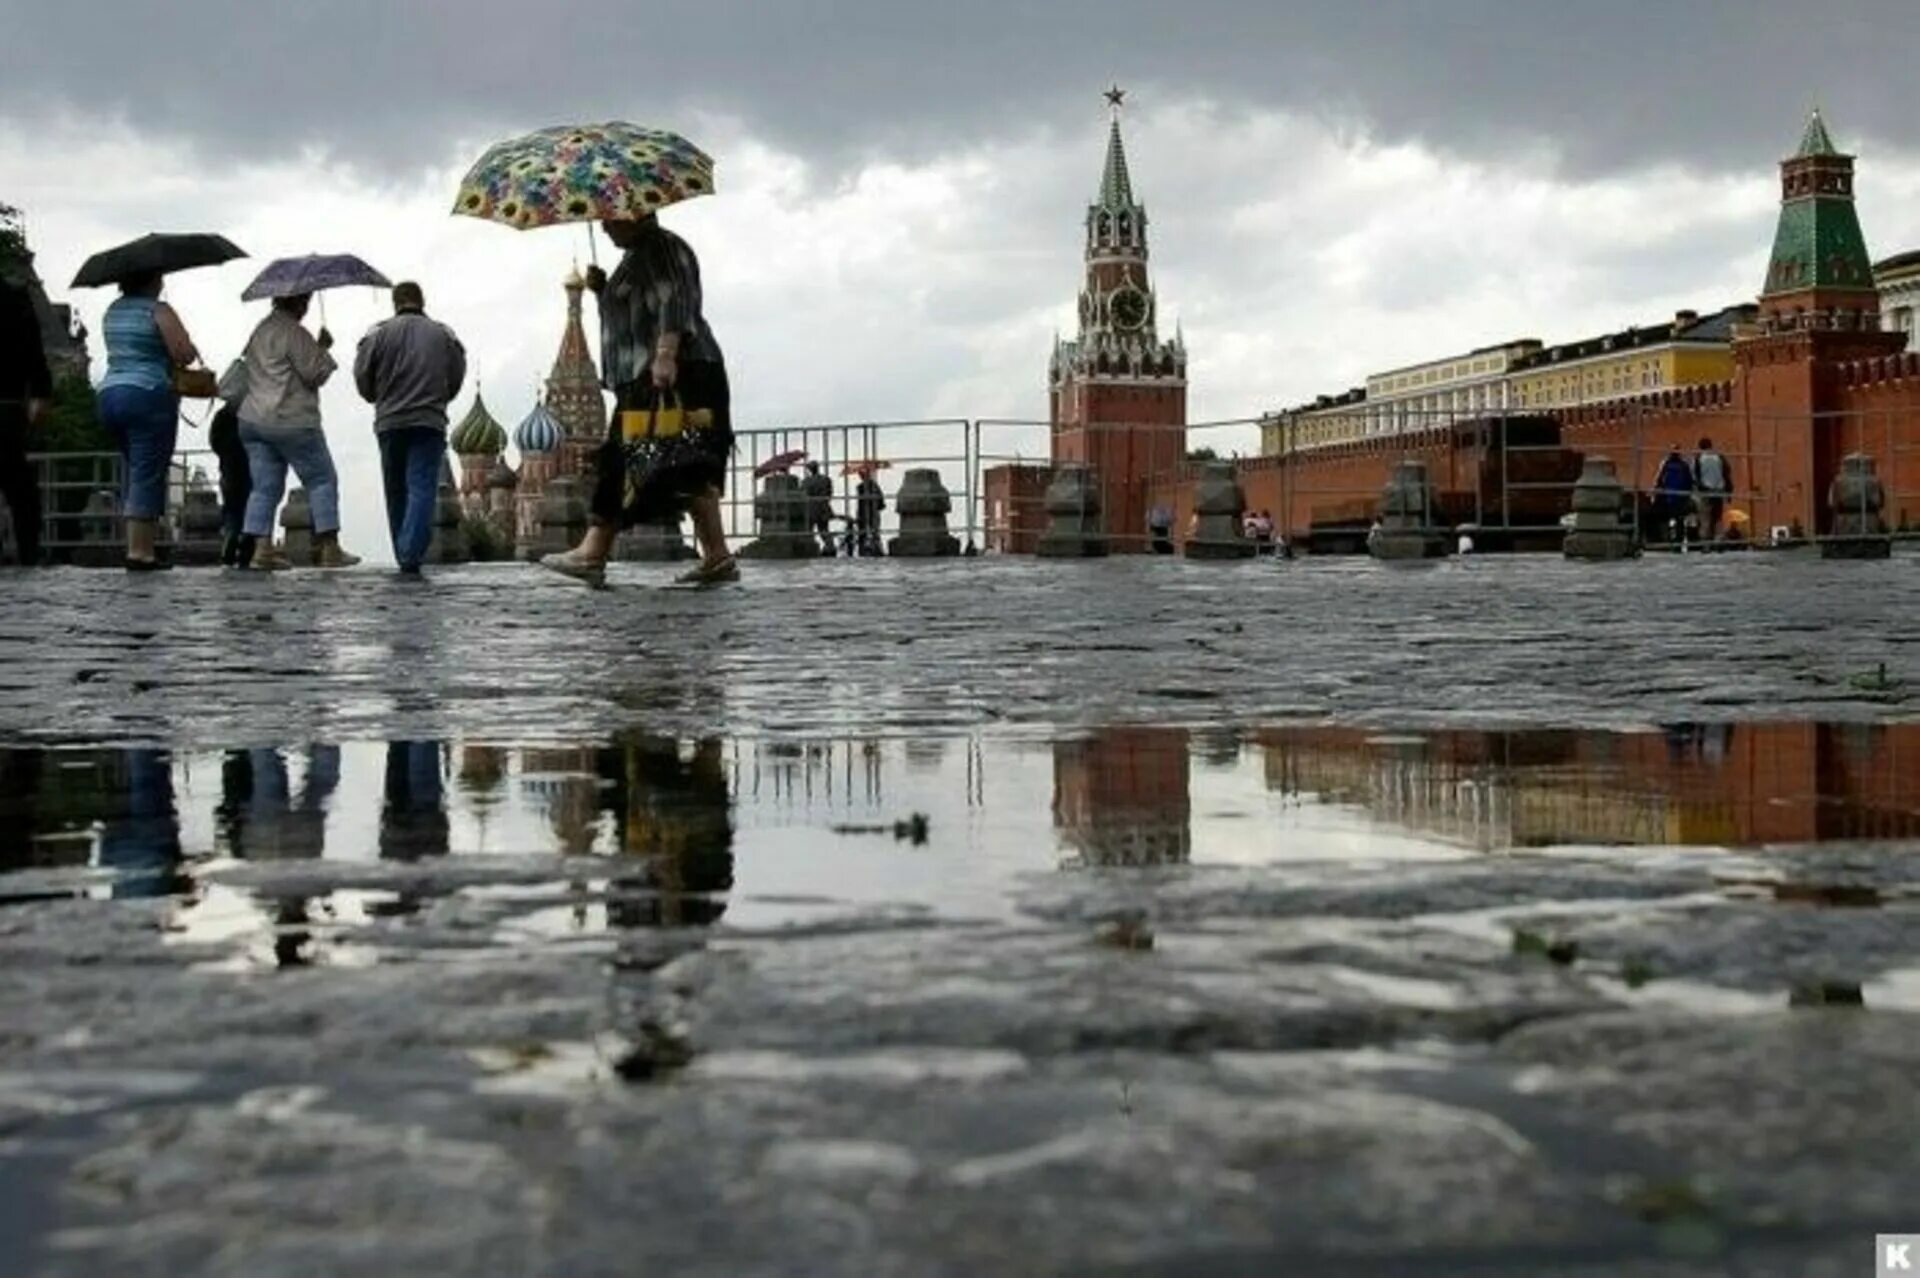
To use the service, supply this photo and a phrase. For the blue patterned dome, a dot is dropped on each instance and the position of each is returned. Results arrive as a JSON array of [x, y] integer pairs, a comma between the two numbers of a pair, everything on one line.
[[539, 433]]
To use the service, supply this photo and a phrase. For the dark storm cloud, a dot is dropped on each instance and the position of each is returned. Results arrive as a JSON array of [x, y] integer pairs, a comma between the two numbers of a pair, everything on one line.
[[389, 83]]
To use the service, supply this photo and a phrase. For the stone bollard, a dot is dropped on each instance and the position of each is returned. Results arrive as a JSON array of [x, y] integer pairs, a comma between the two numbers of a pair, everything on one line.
[[1218, 505], [199, 528], [296, 521], [780, 522], [1409, 528], [654, 543], [1599, 530], [1074, 530], [923, 503], [100, 534], [449, 544], [1855, 500], [563, 518]]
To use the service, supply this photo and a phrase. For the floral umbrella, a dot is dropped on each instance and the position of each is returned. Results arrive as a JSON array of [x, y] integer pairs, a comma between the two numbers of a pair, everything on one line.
[[583, 173]]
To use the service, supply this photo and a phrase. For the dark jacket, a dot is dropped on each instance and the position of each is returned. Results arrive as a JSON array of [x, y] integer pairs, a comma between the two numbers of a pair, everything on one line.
[[869, 501], [23, 357], [1676, 477], [408, 368]]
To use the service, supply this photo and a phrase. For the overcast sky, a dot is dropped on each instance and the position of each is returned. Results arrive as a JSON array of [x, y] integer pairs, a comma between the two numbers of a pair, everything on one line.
[[1334, 188]]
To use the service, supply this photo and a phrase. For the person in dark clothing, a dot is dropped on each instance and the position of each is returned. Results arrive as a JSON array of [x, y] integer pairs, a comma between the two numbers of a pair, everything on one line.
[[1672, 495], [26, 393], [658, 356], [868, 502], [819, 493], [236, 484]]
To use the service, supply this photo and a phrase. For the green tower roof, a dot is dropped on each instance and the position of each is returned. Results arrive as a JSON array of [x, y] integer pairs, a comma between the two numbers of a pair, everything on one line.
[[1116, 189], [1818, 243], [1816, 140]]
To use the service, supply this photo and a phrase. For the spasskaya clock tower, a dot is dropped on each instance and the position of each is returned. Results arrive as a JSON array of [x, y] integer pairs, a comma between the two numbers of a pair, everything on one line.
[[1117, 392]]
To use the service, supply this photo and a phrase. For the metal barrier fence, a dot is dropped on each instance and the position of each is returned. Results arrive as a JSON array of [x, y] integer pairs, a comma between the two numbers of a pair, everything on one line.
[[80, 501], [1508, 476]]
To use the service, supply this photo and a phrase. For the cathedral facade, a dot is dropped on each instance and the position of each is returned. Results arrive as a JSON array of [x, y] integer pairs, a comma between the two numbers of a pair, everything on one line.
[[557, 439]]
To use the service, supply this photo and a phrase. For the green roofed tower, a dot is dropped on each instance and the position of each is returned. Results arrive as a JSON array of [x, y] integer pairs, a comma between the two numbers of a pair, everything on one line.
[[1820, 274]]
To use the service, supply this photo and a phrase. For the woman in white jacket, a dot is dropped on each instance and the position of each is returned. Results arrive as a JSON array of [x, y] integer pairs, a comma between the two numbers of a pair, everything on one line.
[[280, 427]]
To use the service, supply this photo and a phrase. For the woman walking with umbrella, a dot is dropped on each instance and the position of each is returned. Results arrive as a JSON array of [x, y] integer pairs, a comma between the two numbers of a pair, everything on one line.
[[672, 431], [280, 417], [147, 345]]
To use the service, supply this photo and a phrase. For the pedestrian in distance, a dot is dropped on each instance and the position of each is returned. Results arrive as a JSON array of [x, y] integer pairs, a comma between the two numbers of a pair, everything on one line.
[[672, 431], [138, 406], [818, 490], [1713, 484], [1160, 530], [26, 393], [1672, 495], [280, 427], [869, 502], [409, 368]]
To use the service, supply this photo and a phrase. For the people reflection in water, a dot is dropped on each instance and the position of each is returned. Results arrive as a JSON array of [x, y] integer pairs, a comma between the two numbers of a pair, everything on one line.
[[141, 840], [263, 817], [413, 814], [673, 816]]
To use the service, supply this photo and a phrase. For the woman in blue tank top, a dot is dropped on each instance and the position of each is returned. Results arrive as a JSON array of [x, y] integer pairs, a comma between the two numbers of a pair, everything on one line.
[[145, 343]]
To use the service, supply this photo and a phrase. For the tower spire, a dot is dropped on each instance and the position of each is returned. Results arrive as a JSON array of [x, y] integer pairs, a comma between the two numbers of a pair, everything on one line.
[[1116, 189], [1816, 140]]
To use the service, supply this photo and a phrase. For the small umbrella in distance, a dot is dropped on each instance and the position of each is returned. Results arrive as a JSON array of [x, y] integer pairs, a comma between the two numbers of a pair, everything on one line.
[[865, 467], [293, 276], [779, 463], [155, 255]]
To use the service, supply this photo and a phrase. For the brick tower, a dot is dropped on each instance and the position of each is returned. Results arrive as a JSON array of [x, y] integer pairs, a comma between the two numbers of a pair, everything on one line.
[[1818, 309], [1117, 395], [573, 391]]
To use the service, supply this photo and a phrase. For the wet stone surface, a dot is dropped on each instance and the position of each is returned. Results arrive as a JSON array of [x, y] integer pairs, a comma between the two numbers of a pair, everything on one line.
[[951, 919]]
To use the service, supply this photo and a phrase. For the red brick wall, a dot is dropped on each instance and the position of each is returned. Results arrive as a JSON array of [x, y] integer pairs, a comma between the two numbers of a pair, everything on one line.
[[1015, 514], [1784, 421]]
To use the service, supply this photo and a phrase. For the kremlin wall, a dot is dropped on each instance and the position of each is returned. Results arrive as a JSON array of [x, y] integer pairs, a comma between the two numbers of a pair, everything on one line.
[[1785, 386]]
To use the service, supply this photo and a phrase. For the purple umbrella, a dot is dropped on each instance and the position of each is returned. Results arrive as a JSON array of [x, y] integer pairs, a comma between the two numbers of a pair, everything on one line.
[[292, 276]]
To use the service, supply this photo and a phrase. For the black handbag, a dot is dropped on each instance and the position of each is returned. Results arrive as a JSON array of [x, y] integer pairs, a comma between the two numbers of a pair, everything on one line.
[[668, 451]]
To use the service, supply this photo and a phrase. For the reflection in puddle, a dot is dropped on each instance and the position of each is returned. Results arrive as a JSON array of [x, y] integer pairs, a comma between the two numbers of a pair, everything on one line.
[[764, 832]]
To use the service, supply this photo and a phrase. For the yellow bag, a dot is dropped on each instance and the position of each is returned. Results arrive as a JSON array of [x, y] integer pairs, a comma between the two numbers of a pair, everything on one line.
[[667, 419]]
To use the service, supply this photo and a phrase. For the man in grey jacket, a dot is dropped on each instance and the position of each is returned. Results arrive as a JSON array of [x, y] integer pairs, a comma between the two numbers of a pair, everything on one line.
[[409, 368]]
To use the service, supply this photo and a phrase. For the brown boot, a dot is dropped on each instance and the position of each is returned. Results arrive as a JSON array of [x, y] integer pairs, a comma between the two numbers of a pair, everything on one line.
[[268, 557], [327, 554]]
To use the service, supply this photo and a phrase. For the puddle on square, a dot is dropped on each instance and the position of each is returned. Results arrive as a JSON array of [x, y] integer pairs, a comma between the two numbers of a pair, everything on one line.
[[764, 832]]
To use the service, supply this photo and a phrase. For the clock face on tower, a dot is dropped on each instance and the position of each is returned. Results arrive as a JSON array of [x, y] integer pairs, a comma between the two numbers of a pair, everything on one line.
[[1128, 307]]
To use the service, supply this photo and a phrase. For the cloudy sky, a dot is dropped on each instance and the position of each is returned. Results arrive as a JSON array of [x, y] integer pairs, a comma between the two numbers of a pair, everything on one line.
[[1335, 187]]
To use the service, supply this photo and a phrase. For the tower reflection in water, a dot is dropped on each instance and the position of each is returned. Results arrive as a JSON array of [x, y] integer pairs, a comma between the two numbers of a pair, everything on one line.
[[1122, 796]]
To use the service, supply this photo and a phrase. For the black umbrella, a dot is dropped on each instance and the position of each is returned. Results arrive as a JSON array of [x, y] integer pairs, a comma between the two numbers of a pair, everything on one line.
[[155, 255]]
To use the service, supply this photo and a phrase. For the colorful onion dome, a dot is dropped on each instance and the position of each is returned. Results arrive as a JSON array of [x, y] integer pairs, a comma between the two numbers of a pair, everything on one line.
[[539, 433], [502, 475], [478, 435]]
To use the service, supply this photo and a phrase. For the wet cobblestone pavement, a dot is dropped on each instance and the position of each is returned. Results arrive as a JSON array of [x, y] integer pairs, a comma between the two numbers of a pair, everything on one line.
[[1492, 917]]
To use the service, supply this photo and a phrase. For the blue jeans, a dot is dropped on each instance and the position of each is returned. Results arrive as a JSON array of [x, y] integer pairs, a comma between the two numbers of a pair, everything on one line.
[[144, 424], [270, 450], [410, 465]]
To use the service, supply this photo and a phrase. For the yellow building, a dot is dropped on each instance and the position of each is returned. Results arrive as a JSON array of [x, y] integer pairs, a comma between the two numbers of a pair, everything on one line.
[[1330, 419], [1689, 351]]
